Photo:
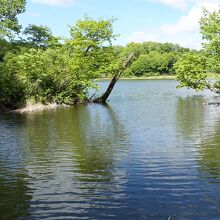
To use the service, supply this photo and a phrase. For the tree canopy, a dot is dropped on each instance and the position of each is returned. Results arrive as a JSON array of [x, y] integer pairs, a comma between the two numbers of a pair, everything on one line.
[[210, 29], [61, 74], [193, 68], [9, 9], [40, 36]]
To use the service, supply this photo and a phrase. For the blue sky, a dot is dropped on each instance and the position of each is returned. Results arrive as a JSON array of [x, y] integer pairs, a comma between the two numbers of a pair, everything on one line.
[[173, 21]]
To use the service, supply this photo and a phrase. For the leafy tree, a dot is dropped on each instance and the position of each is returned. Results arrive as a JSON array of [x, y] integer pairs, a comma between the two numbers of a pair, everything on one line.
[[154, 63], [131, 48], [90, 48], [147, 47], [194, 64], [45, 76], [12, 93], [210, 29], [9, 9], [152, 58], [40, 36], [192, 68], [5, 47], [60, 74]]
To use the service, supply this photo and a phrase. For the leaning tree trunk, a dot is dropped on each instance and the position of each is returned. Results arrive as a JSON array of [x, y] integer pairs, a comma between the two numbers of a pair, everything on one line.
[[116, 77]]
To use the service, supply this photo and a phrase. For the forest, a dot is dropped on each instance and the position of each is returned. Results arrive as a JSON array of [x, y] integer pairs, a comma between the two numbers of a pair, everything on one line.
[[38, 67]]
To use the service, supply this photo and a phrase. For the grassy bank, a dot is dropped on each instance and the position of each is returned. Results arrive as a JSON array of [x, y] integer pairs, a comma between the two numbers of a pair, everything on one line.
[[214, 76], [143, 78], [163, 77]]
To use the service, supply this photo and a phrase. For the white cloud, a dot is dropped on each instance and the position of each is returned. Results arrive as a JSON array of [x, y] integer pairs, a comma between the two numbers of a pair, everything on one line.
[[192, 40], [34, 14], [181, 4], [189, 22], [184, 31], [141, 36], [62, 3]]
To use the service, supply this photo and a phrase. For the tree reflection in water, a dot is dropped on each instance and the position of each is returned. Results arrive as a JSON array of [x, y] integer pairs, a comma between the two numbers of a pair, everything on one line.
[[200, 125], [74, 151], [210, 152], [15, 193]]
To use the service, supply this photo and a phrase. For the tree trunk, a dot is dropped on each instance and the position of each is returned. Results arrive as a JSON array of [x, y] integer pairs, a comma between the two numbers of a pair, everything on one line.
[[108, 91], [116, 77]]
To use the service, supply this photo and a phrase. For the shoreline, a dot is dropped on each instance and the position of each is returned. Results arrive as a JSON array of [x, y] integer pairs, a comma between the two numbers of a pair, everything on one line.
[[170, 77], [212, 76], [37, 107]]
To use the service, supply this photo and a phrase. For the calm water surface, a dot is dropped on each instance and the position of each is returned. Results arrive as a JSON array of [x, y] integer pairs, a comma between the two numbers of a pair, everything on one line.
[[152, 152]]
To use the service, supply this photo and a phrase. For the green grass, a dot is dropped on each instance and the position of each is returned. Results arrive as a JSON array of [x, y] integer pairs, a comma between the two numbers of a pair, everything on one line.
[[144, 78], [214, 76], [162, 77]]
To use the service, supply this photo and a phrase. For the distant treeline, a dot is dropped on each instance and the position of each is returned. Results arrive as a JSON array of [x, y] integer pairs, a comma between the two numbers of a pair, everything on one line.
[[151, 58]]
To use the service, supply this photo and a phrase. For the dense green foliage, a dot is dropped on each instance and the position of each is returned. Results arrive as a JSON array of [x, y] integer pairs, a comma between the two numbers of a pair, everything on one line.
[[40, 36], [61, 74], [192, 68], [210, 29], [152, 58], [154, 63], [5, 47], [194, 64], [9, 9]]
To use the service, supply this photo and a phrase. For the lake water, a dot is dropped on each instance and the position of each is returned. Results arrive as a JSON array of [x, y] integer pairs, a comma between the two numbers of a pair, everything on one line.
[[151, 153]]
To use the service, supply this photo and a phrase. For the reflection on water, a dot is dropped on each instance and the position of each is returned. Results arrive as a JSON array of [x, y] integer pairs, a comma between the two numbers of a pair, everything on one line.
[[152, 152], [15, 194], [205, 132], [210, 153], [189, 114]]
